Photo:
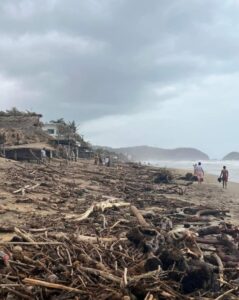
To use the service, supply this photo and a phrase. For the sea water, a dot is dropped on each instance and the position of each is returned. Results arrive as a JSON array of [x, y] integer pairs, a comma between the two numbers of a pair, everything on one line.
[[213, 167]]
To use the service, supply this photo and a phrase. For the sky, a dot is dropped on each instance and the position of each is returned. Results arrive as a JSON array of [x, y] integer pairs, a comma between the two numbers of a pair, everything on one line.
[[160, 73]]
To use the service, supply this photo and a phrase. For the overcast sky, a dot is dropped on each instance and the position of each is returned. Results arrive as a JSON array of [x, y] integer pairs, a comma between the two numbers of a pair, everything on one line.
[[130, 72]]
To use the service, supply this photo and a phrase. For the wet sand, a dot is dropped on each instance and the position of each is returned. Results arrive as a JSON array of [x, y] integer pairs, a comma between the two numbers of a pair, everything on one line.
[[211, 193]]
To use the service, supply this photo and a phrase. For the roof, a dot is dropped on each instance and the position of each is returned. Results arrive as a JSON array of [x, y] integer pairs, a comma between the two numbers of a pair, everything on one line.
[[31, 146], [50, 124]]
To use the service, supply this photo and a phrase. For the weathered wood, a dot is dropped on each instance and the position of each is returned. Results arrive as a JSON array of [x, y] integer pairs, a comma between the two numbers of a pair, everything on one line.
[[139, 216], [95, 240], [30, 243], [26, 236], [101, 206], [31, 281]]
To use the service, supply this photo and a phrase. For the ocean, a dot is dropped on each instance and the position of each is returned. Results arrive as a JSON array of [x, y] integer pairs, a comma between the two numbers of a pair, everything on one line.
[[213, 167]]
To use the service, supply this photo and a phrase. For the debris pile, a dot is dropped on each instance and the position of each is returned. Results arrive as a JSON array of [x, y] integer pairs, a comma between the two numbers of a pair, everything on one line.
[[113, 233]]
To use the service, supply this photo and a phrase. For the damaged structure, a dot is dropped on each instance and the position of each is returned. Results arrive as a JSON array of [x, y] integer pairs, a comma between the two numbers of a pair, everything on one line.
[[23, 136], [29, 152], [67, 141]]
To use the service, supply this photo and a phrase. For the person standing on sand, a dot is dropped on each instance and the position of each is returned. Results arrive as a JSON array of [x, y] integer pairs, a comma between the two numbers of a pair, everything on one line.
[[199, 173], [43, 155], [96, 158], [224, 176]]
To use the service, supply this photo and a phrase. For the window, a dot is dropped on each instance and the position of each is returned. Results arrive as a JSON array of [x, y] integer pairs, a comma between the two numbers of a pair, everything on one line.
[[51, 131]]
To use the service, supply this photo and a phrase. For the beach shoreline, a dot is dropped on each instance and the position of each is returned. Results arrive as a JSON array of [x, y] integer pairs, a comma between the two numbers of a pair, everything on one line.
[[210, 167], [211, 192]]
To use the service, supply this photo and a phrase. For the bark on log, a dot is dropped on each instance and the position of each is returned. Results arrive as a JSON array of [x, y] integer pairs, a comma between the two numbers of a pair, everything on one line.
[[209, 230], [139, 217]]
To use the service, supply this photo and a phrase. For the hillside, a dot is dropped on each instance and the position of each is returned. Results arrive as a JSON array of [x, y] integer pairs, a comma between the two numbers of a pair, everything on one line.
[[232, 156], [145, 153], [21, 129]]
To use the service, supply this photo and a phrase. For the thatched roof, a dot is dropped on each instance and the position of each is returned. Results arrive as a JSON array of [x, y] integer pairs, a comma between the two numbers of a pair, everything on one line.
[[36, 146]]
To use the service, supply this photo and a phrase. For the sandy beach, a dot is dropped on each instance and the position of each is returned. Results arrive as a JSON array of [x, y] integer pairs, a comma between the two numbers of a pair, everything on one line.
[[89, 228], [15, 208], [211, 193]]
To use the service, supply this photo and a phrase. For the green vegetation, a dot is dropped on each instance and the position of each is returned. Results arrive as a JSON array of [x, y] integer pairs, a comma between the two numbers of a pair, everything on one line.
[[70, 129]]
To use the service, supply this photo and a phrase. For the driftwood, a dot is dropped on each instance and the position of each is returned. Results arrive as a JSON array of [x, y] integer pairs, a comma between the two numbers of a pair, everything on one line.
[[31, 243], [209, 230], [26, 188], [31, 281], [26, 236], [139, 216], [130, 280], [103, 274], [101, 206], [227, 293], [94, 240], [213, 212], [112, 233], [220, 266]]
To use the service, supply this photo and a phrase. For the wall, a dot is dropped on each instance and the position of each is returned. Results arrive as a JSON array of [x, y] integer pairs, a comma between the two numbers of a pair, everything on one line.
[[47, 127]]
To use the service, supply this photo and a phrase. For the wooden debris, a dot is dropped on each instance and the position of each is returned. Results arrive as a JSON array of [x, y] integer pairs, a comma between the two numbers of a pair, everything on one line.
[[113, 233]]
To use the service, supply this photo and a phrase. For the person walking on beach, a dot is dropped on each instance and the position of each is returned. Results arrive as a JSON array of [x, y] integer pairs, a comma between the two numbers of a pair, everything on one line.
[[43, 155], [199, 173], [224, 176]]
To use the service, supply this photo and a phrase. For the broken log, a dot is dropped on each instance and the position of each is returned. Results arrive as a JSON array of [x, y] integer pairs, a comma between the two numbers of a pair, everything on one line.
[[138, 216]]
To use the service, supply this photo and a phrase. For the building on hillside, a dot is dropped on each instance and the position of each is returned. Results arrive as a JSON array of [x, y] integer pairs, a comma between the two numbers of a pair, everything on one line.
[[85, 152], [67, 141], [21, 129], [21, 136], [61, 133], [51, 129], [63, 139], [28, 152]]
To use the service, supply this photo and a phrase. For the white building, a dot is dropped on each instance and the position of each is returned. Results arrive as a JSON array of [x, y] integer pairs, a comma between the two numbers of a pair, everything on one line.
[[51, 129]]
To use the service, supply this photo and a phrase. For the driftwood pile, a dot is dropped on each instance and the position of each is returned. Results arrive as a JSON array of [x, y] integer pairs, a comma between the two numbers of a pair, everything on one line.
[[113, 233]]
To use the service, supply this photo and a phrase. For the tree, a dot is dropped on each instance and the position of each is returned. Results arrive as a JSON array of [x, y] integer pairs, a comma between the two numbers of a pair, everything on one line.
[[72, 126], [17, 113], [60, 121]]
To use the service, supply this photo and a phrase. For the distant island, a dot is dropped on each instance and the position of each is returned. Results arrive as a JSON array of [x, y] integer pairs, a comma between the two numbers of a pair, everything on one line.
[[147, 153], [232, 156]]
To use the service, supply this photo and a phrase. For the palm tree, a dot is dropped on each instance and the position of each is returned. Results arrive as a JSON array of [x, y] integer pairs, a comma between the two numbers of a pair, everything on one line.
[[60, 121]]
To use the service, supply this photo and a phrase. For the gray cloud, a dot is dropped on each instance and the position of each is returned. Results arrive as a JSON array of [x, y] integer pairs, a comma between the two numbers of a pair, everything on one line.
[[91, 59]]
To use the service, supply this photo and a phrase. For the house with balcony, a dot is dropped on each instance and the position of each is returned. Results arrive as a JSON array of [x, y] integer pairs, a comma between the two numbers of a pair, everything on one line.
[[52, 129]]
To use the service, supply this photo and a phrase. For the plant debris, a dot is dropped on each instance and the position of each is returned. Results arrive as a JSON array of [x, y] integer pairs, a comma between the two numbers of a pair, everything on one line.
[[118, 233]]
